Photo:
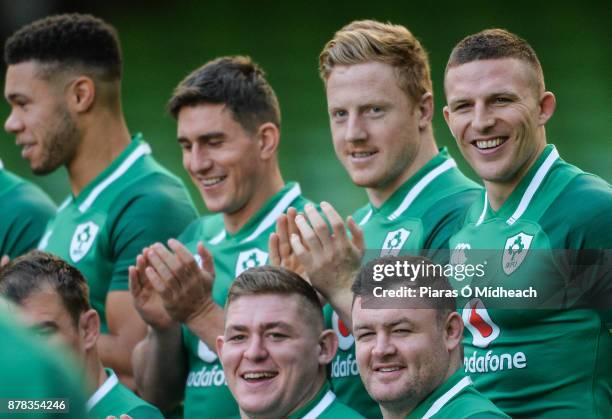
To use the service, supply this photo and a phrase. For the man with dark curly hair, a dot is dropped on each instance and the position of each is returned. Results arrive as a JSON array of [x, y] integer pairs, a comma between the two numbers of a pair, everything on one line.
[[63, 84]]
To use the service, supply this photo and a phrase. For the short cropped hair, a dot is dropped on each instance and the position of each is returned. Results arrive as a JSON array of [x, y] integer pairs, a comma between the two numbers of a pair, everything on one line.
[[236, 82], [66, 41], [264, 280], [430, 276], [368, 40], [492, 44], [32, 272]]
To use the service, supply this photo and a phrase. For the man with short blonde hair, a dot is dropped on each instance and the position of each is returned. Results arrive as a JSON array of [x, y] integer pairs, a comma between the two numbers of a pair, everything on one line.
[[380, 105]]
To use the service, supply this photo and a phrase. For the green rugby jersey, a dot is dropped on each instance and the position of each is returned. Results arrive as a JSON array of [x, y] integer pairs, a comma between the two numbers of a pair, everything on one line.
[[456, 398], [24, 212], [113, 398], [133, 203], [541, 362], [206, 392], [423, 213], [29, 371], [325, 405]]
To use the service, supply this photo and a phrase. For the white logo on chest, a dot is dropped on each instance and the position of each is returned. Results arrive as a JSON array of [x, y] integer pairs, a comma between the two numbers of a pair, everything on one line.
[[394, 241], [250, 259], [515, 251], [82, 240]]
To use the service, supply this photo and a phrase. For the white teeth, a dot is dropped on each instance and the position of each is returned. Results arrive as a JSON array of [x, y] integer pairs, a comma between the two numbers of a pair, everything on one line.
[[362, 154], [257, 375], [212, 181], [388, 369], [484, 144]]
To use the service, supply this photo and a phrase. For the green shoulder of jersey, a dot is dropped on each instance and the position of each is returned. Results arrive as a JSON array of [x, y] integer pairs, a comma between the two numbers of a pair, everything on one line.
[[546, 353], [133, 203], [206, 389], [456, 398], [420, 217], [24, 212], [114, 399]]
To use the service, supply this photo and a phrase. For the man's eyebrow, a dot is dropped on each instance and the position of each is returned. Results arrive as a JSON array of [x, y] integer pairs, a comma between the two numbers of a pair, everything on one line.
[[389, 324], [265, 326], [204, 137]]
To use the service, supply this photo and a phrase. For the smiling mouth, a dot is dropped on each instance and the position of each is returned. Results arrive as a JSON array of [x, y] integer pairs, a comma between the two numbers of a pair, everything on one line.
[[212, 181], [489, 144], [256, 377], [388, 369], [362, 154]]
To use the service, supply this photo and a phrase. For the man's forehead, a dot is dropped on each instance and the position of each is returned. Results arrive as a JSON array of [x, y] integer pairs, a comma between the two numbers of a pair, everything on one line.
[[265, 309], [369, 317], [369, 81], [484, 75]]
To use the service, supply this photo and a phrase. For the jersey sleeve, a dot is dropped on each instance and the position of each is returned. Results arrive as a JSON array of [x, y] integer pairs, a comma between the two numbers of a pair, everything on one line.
[[158, 212], [587, 203], [24, 218]]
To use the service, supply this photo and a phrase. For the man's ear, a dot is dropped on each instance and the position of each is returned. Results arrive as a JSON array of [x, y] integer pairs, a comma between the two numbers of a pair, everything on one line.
[[548, 104], [81, 93], [453, 331], [89, 328], [328, 346], [219, 345], [268, 136], [426, 110]]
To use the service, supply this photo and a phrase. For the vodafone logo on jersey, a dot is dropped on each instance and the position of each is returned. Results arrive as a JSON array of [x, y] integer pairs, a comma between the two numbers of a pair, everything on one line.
[[345, 339], [477, 320]]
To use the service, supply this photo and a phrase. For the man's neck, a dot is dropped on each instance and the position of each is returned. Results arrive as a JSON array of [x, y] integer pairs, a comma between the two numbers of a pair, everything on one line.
[[310, 394], [102, 142], [499, 192], [269, 186], [405, 406], [379, 195]]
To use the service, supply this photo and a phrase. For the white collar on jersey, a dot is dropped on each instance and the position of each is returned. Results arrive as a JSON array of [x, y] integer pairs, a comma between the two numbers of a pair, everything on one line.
[[533, 186], [102, 391], [320, 407], [140, 151], [415, 191], [269, 220], [443, 399]]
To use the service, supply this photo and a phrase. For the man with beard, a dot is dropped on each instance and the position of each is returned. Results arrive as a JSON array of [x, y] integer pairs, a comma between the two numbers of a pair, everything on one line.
[[63, 84]]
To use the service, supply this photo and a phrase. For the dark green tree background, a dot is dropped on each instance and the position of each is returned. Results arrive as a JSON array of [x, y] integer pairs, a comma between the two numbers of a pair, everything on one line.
[[163, 41]]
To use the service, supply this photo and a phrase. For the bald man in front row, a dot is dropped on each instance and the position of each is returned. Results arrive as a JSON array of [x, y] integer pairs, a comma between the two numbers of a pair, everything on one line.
[[409, 350]]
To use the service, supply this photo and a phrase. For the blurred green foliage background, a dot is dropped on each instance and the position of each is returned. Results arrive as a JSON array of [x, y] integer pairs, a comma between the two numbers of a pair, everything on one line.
[[163, 41]]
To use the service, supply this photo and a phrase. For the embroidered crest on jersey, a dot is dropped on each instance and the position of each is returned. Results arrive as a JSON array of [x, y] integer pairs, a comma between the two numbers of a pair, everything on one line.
[[458, 256], [82, 240], [205, 354], [477, 320], [515, 250], [394, 241], [250, 259], [345, 339]]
